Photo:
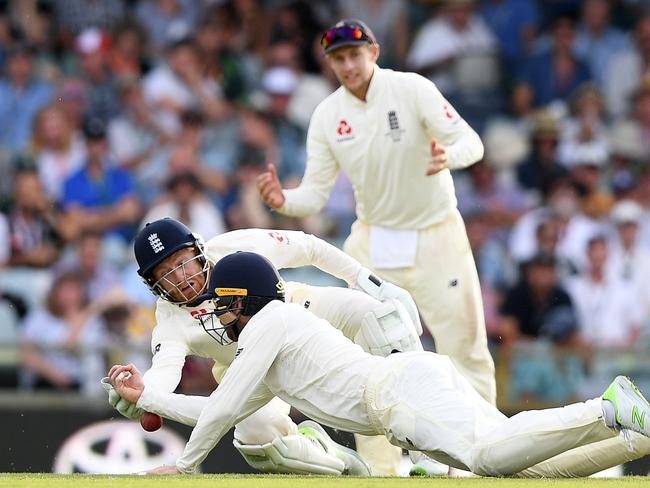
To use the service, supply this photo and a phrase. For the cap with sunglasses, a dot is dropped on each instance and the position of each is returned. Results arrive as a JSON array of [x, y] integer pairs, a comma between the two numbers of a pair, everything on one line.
[[348, 32]]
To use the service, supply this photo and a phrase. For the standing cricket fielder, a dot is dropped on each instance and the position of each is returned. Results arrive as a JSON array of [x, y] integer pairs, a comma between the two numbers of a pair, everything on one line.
[[418, 400], [397, 138], [175, 264]]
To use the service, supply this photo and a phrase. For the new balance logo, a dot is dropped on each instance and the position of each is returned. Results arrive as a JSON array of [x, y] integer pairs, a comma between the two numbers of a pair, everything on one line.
[[637, 418], [156, 243]]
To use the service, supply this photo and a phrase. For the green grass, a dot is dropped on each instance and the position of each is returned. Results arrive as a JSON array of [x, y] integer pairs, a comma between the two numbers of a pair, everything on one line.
[[278, 481]]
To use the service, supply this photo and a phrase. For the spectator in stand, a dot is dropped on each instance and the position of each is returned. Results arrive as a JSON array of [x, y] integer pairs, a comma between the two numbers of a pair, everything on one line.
[[73, 16], [186, 201], [635, 128], [555, 73], [93, 48], [219, 62], [22, 95], [500, 200], [464, 64], [195, 148], [128, 53], [135, 136], [609, 310], [36, 22], [541, 168], [36, 230], [99, 275], [279, 84], [57, 148], [457, 32], [537, 306], [634, 63], [629, 259], [167, 21], [585, 137], [100, 196], [72, 96], [389, 21], [312, 88], [515, 24], [597, 42], [59, 341], [179, 84], [495, 268]]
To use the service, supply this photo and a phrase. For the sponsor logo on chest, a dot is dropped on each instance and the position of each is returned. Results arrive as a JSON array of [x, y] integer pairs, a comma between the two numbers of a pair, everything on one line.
[[344, 131]]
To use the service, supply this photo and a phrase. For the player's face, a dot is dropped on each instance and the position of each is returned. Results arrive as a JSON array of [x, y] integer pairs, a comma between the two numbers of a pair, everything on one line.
[[182, 275], [353, 67]]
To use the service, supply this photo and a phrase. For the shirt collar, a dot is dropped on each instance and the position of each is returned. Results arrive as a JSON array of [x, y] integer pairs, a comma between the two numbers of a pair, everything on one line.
[[373, 89]]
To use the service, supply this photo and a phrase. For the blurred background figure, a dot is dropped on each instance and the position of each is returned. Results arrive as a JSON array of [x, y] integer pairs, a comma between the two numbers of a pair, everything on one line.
[[59, 341], [609, 310]]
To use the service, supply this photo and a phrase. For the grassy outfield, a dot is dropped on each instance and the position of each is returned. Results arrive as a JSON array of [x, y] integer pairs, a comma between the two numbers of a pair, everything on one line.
[[277, 481]]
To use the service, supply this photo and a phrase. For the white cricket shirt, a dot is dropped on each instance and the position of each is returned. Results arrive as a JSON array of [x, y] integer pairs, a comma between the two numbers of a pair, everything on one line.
[[178, 332], [383, 145], [288, 352]]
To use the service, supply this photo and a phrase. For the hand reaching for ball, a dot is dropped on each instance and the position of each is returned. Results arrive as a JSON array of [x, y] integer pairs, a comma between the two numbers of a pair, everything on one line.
[[127, 381]]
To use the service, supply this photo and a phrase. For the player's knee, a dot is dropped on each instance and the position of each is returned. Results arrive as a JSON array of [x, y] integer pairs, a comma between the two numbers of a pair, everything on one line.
[[263, 430]]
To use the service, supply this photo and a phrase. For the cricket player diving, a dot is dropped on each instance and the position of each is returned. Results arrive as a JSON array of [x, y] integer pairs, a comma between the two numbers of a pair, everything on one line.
[[176, 265], [418, 400]]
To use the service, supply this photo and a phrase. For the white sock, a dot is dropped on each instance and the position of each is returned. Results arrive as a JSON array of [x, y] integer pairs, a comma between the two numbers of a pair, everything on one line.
[[609, 414]]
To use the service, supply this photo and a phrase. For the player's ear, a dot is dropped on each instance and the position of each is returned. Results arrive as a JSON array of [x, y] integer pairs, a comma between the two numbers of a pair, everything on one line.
[[374, 51]]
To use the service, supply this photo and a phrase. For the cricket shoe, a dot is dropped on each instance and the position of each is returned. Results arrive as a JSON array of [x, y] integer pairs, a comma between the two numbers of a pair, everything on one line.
[[424, 466], [632, 410], [354, 463]]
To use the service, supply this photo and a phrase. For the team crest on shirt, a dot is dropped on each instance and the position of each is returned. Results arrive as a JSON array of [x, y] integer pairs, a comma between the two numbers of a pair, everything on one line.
[[394, 130], [344, 130]]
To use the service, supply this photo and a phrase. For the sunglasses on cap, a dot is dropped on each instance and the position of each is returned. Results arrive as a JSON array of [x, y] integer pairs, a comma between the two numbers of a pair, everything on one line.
[[344, 35]]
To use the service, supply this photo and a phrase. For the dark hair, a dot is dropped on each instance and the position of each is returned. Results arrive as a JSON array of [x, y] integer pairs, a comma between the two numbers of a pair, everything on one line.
[[68, 277]]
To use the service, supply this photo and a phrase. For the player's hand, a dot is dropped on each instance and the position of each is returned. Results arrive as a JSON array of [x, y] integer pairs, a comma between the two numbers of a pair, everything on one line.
[[127, 381], [439, 160], [124, 407], [268, 184], [162, 470]]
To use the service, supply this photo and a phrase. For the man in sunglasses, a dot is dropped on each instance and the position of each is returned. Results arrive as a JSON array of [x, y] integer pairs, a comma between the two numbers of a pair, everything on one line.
[[397, 138], [176, 264]]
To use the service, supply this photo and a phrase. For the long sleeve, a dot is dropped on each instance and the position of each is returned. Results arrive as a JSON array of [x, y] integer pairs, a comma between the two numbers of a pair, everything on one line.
[[320, 174], [240, 393], [442, 122], [289, 249], [168, 355], [181, 408]]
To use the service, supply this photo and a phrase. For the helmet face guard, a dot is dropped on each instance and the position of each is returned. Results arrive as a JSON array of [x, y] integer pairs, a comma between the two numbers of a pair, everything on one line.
[[211, 321], [165, 285]]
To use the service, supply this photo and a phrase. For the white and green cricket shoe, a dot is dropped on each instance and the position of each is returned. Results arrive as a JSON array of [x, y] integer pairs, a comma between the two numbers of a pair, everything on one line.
[[632, 410], [354, 463], [425, 466]]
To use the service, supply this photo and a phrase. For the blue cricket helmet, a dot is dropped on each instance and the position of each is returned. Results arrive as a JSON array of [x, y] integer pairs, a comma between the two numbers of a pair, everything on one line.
[[156, 242]]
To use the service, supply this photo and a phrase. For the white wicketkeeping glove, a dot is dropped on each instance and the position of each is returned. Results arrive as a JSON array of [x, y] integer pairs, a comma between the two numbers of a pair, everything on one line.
[[383, 290], [126, 408]]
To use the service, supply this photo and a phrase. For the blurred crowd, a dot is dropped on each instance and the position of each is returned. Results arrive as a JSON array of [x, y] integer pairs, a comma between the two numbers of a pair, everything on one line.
[[117, 112]]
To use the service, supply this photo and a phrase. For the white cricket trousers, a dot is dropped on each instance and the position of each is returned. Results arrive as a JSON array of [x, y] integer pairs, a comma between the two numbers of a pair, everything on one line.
[[421, 402], [445, 286]]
